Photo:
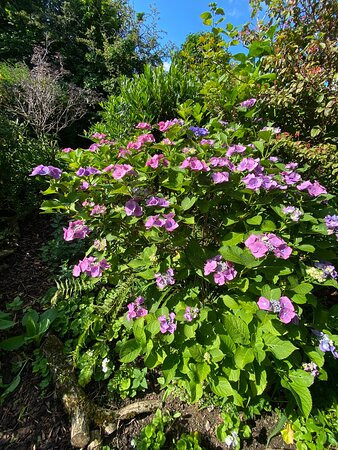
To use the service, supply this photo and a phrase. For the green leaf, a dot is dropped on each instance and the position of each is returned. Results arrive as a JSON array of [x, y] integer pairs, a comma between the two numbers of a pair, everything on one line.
[[268, 225], [169, 366], [306, 248], [280, 348], [129, 351], [301, 394], [187, 203], [236, 328], [256, 220], [221, 387], [243, 356], [303, 288], [232, 238], [5, 324], [203, 370], [12, 343], [239, 256], [138, 330]]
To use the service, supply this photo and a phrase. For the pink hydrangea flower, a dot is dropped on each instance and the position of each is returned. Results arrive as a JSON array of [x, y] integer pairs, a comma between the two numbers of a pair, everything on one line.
[[252, 181], [168, 141], [87, 171], [154, 221], [98, 209], [167, 221], [190, 313], [195, 164], [76, 230], [220, 177], [132, 208], [165, 279], [164, 126], [91, 267], [135, 310], [167, 325], [209, 142], [67, 150], [119, 170], [123, 153], [283, 307], [84, 185], [141, 140], [99, 135], [260, 245], [155, 160], [143, 126], [223, 270]]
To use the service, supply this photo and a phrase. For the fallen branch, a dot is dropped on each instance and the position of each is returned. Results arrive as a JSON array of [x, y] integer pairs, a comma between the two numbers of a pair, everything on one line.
[[80, 410]]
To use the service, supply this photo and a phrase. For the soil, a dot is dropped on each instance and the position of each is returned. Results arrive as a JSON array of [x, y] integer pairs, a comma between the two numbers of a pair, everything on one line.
[[30, 420]]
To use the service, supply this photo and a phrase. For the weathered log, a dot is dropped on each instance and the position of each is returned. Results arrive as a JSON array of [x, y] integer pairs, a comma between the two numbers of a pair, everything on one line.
[[80, 410]]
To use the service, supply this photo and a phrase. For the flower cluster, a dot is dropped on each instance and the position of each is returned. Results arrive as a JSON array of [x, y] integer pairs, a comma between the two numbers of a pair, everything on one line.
[[260, 245], [331, 223], [248, 103], [220, 177], [76, 230], [165, 279], [52, 171], [155, 160], [168, 325], [190, 313], [97, 210], [87, 171], [283, 307], [223, 270], [237, 148], [167, 221], [325, 343], [199, 132], [314, 189], [132, 208], [293, 212], [119, 170], [135, 310], [158, 201], [143, 126], [312, 368], [195, 164], [141, 141], [91, 267], [327, 269], [164, 126]]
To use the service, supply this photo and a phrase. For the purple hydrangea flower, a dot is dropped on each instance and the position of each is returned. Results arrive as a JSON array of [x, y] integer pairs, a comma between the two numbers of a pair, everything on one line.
[[158, 201], [273, 159], [260, 245], [237, 148], [132, 208], [314, 189], [165, 279], [223, 270], [135, 310], [293, 212], [52, 171], [164, 126], [199, 132], [220, 177], [168, 325], [190, 313], [252, 181], [143, 126], [290, 178], [84, 185], [210, 142], [331, 223], [283, 307], [248, 164], [167, 221], [86, 171], [328, 269], [325, 343], [222, 162], [91, 267], [248, 103], [76, 230]]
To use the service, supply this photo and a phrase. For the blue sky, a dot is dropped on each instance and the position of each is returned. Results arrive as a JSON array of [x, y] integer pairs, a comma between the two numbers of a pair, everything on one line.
[[181, 17]]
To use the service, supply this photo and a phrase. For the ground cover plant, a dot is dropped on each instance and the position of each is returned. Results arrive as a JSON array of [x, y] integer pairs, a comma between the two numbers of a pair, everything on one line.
[[214, 249]]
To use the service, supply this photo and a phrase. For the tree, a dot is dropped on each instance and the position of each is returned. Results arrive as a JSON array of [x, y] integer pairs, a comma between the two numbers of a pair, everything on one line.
[[98, 39]]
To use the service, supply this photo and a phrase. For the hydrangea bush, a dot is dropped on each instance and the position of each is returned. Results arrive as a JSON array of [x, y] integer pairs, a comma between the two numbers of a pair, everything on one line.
[[232, 250]]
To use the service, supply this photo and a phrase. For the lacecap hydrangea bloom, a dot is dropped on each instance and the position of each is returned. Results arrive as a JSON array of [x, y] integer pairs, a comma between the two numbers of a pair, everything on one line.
[[165, 279], [261, 244], [325, 343], [293, 212], [190, 313], [135, 310], [223, 270], [283, 307], [168, 325], [76, 230], [51, 171], [91, 267]]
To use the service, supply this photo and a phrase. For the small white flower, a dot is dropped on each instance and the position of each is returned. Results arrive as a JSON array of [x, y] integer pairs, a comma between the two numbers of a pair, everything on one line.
[[231, 441], [105, 365]]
